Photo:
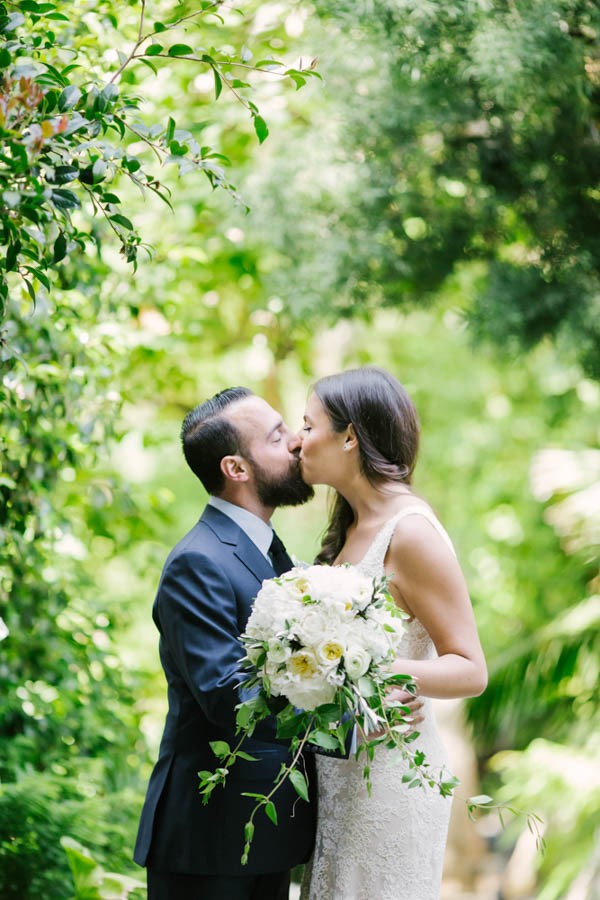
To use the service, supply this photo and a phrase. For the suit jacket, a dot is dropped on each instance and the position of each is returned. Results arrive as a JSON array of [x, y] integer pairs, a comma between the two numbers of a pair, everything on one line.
[[203, 602]]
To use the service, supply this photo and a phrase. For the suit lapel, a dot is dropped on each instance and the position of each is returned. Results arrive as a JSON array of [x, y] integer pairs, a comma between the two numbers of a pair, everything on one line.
[[244, 549]]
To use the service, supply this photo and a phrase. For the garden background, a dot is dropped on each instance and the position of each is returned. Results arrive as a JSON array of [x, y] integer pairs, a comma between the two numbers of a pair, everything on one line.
[[199, 194]]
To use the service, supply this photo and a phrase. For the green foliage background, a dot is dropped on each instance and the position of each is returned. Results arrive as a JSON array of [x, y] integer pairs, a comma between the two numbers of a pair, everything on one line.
[[440, 185]]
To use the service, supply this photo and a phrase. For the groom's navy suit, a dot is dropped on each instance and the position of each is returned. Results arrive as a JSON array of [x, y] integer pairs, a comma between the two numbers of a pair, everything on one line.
[[202, 605]]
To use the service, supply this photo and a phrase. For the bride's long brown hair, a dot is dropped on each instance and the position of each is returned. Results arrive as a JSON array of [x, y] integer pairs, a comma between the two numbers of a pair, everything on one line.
[[387, 429]]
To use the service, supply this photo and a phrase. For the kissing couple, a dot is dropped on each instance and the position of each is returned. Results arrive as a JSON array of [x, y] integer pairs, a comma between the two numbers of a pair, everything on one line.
[[360, 436]]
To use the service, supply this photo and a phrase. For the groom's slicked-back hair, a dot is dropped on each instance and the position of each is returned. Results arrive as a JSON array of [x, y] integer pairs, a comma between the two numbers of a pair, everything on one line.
[[207, 436]]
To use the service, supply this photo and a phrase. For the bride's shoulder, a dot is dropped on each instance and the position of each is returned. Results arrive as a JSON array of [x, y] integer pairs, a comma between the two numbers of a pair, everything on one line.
[[417, 528]]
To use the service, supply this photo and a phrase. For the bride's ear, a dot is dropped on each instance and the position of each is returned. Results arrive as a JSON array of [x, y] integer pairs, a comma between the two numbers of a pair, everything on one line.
[[350, 439]]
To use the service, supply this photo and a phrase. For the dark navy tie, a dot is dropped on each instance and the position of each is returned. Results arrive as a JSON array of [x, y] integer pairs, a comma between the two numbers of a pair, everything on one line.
[[279, 557]]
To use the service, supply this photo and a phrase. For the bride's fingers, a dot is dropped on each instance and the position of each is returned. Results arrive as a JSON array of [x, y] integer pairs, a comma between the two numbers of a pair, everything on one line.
[[412, 702]]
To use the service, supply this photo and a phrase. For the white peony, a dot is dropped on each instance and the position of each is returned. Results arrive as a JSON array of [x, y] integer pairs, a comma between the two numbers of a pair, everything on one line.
[[309, 625], [310, 693]]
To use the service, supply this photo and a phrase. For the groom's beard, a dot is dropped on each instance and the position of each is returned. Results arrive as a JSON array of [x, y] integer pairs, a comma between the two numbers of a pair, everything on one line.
[[281, 490]]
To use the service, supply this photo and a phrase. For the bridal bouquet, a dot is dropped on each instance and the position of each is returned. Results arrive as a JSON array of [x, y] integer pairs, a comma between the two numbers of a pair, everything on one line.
[[319, 646]]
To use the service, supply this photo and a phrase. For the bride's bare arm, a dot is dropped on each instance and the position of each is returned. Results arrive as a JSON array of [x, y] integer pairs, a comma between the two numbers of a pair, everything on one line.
[[429, 584]]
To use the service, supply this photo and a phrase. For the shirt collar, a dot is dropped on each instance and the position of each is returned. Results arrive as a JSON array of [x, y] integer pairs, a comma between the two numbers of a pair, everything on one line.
[[259, 532]]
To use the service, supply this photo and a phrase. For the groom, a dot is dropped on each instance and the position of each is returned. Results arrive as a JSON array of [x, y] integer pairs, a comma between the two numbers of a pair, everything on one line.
[[244, 455]]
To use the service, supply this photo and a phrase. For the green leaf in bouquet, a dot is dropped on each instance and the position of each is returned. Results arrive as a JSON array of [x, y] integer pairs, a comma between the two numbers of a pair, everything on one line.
[[221, 749], [329, 713], [447, 787], [271, 812], [406, 681], [366, 686], [243, 755], [243, 716], [324, 739], [480, 800], [249, 831], [253, 796], [299, 782], [291, 723]]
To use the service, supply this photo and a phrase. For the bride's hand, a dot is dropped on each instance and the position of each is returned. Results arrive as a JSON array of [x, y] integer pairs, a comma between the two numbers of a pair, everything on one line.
[[405, 698], [412, 701]]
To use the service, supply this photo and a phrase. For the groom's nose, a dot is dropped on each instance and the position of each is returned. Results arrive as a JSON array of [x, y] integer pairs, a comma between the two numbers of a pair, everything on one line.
[[294, 443]]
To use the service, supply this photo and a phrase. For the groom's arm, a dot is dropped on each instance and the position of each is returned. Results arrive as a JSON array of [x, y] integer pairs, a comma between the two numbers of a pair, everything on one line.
[[196, 612], [197, 615]]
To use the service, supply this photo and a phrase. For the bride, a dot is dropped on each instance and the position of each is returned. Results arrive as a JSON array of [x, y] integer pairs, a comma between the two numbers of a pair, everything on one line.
[[360, 436]]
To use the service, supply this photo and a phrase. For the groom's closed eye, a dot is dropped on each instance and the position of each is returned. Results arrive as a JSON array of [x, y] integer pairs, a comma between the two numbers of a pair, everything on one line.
[[275, 433]]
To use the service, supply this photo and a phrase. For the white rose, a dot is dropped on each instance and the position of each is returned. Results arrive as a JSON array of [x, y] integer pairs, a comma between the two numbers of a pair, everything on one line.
[[278, 651], [356, 662], [362, 598], [4, 632]]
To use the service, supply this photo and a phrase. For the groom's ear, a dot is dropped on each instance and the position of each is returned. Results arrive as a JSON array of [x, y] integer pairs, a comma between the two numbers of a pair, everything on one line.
[[235, 468]]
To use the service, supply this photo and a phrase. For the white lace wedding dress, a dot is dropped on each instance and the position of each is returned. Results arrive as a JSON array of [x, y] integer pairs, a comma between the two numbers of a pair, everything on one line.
[[389, 846]]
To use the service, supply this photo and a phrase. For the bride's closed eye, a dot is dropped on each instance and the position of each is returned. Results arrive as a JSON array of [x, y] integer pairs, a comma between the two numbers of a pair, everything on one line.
[[305, 428]]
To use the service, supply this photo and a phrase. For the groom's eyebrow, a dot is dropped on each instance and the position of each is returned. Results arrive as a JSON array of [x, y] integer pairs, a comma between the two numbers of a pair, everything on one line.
[[275, 428]]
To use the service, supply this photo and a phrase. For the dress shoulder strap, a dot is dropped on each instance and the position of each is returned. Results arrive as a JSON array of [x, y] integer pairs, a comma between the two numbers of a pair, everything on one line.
[[378, 549]]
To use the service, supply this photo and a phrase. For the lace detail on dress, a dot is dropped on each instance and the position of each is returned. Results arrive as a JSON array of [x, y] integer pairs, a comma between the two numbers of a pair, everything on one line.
[[389, 846]]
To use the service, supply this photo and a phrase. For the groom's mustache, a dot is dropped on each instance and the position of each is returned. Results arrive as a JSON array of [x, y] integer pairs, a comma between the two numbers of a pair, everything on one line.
[[298, 463]]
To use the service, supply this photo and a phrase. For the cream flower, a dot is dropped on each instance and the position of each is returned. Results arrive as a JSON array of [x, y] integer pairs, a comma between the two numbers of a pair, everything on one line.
[[330, 652], [303, 663]]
